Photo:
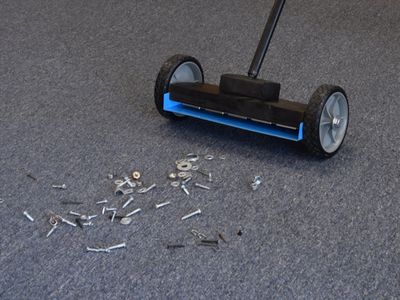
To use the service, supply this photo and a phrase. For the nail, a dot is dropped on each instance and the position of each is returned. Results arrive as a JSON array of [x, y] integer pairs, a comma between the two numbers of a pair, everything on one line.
[[28, 216], [61, 187], [51, 231], [133, 212], [202, 186], [162, 204], [119, 246], [113, 216], [127, 202], [102, 201], [197, 212]]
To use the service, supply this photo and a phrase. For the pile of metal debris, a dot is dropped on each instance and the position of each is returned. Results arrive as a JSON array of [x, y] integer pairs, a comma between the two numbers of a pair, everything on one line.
[[186, 176]]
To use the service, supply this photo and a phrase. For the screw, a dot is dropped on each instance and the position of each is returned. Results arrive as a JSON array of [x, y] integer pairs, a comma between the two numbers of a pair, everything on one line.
[[119, 246], [61, 187], [127, 202], [162, 204], [197, 212], [102, 201], [29, 217], [133, 212], [202, 186], [183, 187], [88, 249]]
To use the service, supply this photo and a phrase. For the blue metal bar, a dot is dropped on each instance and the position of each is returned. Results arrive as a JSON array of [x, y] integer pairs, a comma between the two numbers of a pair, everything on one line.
[[272, 130]]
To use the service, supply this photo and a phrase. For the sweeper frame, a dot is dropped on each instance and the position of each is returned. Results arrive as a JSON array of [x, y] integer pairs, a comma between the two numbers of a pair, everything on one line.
[[253, 104]]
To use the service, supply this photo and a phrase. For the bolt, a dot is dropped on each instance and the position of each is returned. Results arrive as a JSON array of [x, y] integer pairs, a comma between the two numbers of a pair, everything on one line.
[[133, 212], [202, 186], [162, 204], [102, 201], [127, 202], [197, 212], [28, 216], [61, 187]]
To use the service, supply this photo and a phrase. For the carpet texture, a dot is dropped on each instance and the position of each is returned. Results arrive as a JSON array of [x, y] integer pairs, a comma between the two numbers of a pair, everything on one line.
[[76, 103]]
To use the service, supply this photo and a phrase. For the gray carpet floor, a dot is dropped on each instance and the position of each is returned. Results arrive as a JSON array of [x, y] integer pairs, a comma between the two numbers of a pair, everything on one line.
[[76, 102]]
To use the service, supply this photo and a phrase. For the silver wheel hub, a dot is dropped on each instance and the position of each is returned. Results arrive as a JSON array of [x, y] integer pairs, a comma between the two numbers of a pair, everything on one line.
[[333, 122], [186, 72]]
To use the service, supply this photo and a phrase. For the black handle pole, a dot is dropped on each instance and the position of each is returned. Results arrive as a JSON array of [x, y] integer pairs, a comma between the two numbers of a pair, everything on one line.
[[266, 38]]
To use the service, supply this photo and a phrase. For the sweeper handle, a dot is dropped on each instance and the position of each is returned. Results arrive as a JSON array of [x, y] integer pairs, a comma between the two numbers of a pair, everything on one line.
[[266, 38]]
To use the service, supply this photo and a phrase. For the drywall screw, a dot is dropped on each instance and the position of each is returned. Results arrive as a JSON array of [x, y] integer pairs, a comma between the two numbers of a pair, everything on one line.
[[102, 201], [61, 187], [127, 202], [51, 231], [183, 187], [197, 212], [133, 212], [74, 213], [113, 216], [119, 246], [162, 204], [202, 186], [28, 216]]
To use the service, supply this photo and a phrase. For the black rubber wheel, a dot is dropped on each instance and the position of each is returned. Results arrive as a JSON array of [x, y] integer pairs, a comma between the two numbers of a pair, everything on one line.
[[326, 120], [178, 68]]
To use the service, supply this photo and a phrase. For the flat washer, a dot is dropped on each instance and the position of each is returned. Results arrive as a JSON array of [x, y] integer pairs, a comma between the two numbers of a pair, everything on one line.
[[184, 166]]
